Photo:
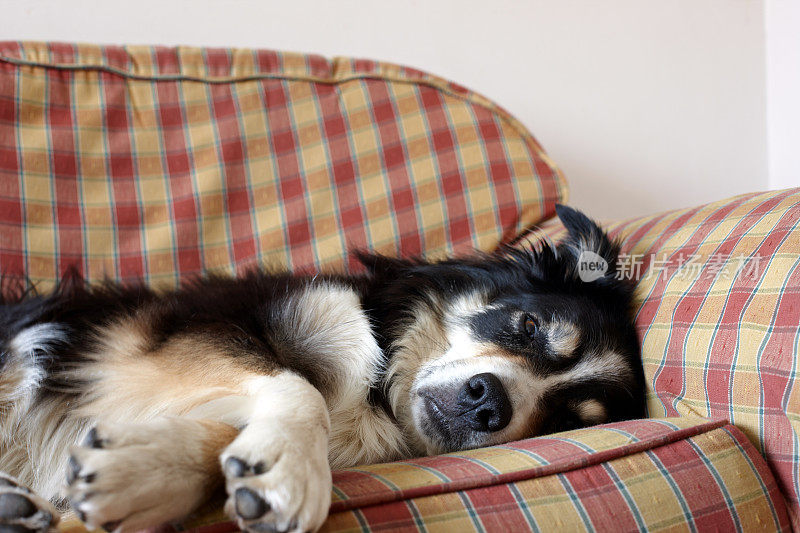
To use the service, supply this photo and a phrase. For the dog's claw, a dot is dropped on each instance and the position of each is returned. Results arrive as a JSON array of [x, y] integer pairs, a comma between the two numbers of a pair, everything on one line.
[[279, 493], [250, 505], [235, 468], [73, 469], [93, 439], [5, 482]]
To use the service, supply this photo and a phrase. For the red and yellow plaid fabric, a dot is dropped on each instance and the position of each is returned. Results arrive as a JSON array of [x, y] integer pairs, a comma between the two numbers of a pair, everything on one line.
[[157, 163], [720, 319], [652, 475], [683, 474]]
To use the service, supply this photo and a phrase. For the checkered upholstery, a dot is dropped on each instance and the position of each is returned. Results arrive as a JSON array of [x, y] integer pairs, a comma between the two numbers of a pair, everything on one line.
[[719, 317], [645, 475], [158, 163]]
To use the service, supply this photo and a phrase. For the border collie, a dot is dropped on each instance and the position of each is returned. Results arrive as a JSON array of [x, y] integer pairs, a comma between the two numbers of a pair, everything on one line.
[[131, 406]]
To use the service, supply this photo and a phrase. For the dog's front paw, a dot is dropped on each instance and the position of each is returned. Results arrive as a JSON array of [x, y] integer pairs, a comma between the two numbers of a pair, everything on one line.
[[276, 486], [128, 477], [22, 511]]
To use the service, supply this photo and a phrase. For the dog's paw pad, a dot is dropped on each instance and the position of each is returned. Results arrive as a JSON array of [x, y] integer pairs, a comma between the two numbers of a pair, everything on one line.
[[235, 467], [291, 494], [249, 505], [16, 506], [21, 511]]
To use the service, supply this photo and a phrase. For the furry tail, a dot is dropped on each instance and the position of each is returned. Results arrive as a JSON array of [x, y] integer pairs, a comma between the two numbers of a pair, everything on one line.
[[27, 338]]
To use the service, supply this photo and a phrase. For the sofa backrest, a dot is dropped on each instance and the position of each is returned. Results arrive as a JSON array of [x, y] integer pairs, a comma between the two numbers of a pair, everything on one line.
[[161, 163]]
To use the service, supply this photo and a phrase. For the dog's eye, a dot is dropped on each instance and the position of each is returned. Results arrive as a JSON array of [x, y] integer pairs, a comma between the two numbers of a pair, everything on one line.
[[529, 325]]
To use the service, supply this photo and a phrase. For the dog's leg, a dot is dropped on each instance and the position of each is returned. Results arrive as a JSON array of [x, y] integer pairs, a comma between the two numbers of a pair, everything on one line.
[[276, 471], [126, 477], [22, 511]]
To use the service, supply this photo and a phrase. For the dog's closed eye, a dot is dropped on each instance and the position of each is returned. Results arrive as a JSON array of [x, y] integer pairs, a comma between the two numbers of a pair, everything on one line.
[[575, 415]]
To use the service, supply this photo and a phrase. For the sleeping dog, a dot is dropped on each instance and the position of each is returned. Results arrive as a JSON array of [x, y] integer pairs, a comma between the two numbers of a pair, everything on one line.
[[145, 402]]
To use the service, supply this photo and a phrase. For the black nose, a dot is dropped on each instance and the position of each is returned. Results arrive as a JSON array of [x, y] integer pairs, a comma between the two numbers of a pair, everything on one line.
[[484, 403]]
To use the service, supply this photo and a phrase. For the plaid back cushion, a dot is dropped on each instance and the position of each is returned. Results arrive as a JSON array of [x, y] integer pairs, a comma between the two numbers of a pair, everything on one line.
[[155, 163], [719, 318]]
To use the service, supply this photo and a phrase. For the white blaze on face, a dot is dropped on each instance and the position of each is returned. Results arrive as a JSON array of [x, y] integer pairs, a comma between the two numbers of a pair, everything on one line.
[[526, 390], [458, 355], [464, 358]]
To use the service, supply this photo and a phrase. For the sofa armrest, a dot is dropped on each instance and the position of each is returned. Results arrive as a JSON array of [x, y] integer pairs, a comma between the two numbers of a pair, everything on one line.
[[719, 318]]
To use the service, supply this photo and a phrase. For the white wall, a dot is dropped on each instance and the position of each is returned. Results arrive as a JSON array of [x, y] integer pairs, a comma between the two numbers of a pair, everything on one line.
[[647, 105], [783, 92]]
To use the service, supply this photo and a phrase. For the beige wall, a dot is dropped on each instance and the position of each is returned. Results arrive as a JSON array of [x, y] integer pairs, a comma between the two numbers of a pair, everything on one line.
[[783, 92], [647, 105]]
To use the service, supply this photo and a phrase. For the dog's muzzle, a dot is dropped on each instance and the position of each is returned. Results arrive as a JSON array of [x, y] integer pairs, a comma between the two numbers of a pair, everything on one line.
[[479, 405]]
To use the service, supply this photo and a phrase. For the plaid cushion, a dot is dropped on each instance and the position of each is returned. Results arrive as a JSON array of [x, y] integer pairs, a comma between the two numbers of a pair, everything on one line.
[[719, 318], [156, 163], [668, 474]]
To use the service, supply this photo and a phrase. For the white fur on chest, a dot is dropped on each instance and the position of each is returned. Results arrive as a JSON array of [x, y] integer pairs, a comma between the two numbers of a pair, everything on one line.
[[339, 331]]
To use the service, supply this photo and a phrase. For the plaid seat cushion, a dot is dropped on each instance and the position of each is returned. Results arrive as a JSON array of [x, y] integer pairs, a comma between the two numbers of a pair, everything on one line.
[[685, 474], [719, 318], [157, 163]]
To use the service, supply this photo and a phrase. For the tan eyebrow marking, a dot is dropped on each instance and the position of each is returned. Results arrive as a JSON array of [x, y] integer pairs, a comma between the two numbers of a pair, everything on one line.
[[563, 338]]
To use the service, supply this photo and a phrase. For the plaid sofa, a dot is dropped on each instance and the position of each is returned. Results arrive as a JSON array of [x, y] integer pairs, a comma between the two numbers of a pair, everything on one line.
[[160, 163]]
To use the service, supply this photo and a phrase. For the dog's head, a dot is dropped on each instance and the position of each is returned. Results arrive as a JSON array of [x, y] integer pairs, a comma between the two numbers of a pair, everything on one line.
[[496, 348]]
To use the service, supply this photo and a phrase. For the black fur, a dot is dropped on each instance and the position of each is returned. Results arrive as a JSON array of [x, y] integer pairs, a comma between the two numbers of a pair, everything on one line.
[[245, 314], [540, 279]]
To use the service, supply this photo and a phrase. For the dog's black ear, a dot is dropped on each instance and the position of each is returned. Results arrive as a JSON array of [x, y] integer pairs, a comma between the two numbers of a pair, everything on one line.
[[588, 245], [380, 264]]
